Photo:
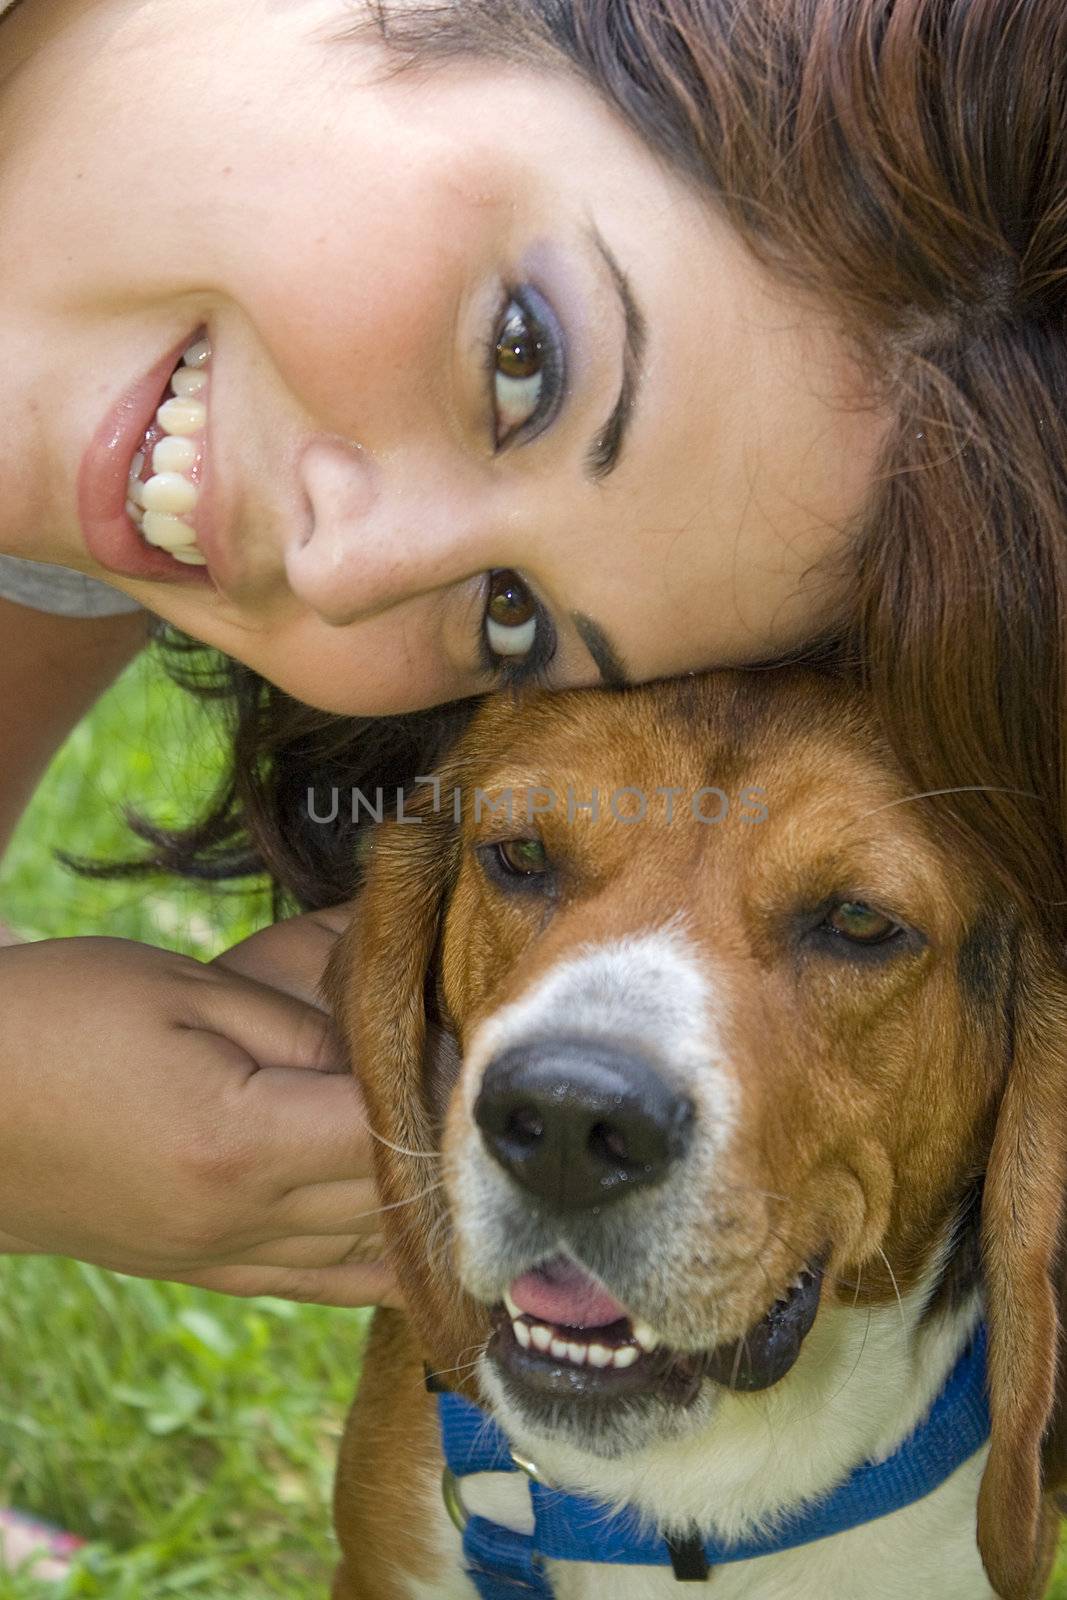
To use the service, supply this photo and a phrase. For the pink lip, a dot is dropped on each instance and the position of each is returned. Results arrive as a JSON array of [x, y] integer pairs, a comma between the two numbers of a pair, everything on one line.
[[109, 535]]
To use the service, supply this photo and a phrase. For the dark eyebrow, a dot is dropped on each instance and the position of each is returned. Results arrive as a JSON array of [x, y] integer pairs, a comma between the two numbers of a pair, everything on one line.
[[607, 658], [603, 454]]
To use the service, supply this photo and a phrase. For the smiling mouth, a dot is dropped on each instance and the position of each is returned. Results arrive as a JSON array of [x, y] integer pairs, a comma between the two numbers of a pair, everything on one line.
[[623, 1359], [164, 484]]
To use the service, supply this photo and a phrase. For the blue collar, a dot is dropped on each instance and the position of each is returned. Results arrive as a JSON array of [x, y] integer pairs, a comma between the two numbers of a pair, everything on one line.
[[503, 1564]]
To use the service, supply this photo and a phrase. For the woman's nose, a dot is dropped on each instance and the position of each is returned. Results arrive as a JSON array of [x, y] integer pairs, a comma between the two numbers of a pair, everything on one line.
[[371, 540]]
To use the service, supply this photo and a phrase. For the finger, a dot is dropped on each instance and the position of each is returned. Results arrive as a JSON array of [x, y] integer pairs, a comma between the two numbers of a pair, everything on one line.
[[290, 956], [11, 1245], [351, 1286], [274, 1029], [314, 1250], [337, 919], [329, 1210], [305, 1129]]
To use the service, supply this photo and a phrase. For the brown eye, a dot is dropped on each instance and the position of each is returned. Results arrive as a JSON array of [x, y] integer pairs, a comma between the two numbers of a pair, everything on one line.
[[520, 349], [860, 923], [510, 602], [526, 367], [522, 858], [510, 615]]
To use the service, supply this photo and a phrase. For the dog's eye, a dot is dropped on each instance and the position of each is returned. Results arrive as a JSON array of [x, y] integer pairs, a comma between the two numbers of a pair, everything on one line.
[[860, 924], [522, 858]]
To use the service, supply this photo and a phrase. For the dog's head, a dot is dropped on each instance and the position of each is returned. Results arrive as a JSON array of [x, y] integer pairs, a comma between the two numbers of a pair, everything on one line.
[[681, 1069]]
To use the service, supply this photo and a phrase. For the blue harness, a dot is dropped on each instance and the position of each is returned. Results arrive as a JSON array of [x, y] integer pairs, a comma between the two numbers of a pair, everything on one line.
[[503, 1564]]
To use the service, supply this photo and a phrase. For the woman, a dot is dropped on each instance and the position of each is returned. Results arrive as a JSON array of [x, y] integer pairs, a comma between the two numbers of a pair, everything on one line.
[[554, 341]]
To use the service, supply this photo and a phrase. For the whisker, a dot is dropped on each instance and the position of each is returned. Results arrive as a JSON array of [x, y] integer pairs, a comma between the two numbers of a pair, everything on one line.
[[749, 1188], [859, 1358], [416, 1155], [395, 1205], [742, 1345], [896, 1291], [859, 1280], [962, 788]]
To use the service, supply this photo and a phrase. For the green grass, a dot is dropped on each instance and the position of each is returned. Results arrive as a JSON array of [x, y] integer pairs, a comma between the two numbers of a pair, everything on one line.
[[150, 747], [190, 1436]]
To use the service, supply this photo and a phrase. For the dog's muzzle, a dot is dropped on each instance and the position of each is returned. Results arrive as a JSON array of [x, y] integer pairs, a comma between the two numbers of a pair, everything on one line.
[[579, 1123]]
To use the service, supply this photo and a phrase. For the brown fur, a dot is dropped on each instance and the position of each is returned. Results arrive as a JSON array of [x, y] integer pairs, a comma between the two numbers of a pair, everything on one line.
[[874, 1096]]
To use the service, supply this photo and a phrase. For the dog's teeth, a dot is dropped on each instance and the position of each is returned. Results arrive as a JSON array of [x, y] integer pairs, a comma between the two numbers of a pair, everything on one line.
[[512, 1309], [522, 1333], [644, 1336], [537, 1336]]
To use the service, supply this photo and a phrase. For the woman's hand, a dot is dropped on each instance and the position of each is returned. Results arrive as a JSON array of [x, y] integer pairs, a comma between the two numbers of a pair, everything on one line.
[[175, 1120]]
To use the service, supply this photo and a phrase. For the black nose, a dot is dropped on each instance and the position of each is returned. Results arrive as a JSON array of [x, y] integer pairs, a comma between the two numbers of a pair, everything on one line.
[[580, 1123]]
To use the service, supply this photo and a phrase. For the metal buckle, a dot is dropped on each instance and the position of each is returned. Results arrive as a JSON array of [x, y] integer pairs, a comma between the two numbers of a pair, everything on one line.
[[524, 1464], [453, 1500]]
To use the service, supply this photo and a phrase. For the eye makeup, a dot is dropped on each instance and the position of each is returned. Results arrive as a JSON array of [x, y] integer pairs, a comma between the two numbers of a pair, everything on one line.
[[526, 366], [519, 670]]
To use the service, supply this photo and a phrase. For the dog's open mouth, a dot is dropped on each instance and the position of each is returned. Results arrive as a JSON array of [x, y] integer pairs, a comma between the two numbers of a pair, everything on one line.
[[560, 1334]]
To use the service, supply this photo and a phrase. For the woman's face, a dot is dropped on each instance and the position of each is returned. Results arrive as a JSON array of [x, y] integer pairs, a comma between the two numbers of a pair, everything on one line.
[[462, 323]]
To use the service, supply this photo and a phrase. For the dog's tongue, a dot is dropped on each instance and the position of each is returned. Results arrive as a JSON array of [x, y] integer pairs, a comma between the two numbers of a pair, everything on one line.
[[560, 1292]]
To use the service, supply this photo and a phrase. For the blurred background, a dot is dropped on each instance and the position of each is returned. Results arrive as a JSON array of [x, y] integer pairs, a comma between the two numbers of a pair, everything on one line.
[[189, 1436]]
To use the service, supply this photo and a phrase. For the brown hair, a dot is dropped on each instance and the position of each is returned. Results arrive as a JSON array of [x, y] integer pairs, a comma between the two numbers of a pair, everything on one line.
[[904, 162]]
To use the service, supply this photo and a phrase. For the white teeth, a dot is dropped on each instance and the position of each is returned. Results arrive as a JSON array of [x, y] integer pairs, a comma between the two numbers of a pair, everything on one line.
[[199, 354], [173, 454], [157, 507], [170, 492], [167, 532], [644, 1336], [188, 384], [513, 1311], [542, 1339], [182, 417]]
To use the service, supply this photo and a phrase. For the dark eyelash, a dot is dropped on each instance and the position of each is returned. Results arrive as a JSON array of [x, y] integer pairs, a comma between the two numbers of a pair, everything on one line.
[[536, 310], [529, 671]]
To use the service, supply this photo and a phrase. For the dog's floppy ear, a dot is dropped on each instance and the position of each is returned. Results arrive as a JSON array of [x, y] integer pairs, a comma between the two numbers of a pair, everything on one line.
[[1022, 1223], [379, 982]]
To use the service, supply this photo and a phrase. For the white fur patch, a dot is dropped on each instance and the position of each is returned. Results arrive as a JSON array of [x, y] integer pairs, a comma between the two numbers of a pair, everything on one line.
[[649, 989]]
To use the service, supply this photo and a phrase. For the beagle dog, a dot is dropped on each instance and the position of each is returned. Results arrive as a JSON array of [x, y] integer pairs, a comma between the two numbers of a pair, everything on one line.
[[720, 1105]]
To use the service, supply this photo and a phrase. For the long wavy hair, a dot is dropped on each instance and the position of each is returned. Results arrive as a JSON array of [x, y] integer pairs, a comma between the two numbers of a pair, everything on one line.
[[905, 163]]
